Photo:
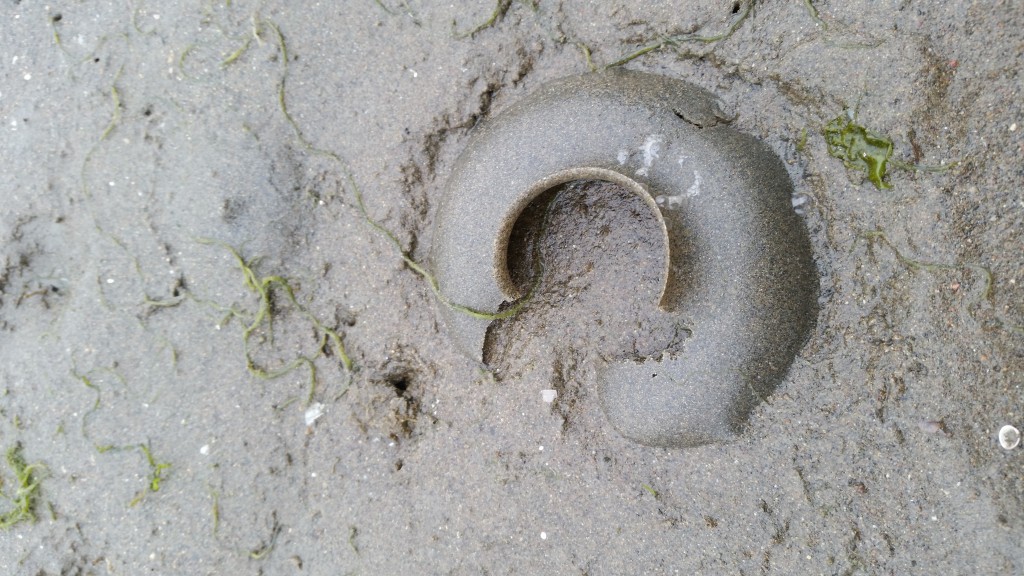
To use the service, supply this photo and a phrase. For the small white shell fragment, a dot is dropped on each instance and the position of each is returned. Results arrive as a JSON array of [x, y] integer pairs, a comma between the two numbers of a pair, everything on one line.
[[315, 411], [548, 396], [1009, 437]]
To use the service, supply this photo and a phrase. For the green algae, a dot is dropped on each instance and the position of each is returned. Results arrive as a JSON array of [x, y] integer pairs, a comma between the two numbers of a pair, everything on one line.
[[801, 142], [377, 226], [157, 469], [25, 494], [234, 56], [265, 548], [265, 287], [813, 13], [650, 490], [405, 9], [426, 275], [215, 511], [112, 124], [500, 9], [859, 148], [699, 36], [985, 293], [157, 474], [89, 381], [867, 151], [818, 21], [587, 56]]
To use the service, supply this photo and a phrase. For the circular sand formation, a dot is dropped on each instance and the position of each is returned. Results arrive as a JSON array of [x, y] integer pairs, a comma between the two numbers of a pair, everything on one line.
[[738, 273]]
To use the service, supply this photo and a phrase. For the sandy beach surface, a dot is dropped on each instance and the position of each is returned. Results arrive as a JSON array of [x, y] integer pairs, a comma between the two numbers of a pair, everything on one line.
[[213, 362]]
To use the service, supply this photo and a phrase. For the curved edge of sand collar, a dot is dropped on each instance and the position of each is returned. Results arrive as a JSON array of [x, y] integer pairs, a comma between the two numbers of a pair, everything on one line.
[[739, 274]]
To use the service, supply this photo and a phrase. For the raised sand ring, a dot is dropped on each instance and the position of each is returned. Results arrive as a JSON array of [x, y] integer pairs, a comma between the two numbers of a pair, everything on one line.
[[738, 273]]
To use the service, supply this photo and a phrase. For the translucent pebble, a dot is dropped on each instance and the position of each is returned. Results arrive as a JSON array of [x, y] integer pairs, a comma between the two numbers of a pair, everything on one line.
[[1009, 437]]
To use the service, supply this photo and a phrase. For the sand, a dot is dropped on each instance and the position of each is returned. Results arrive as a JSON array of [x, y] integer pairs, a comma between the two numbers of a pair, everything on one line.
[[189, 416]]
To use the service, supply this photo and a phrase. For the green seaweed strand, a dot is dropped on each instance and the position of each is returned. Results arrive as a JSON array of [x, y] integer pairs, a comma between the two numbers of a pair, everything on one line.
[[678, 39], [263, 287], [377, 226], [873, 236], [813, 13], [156, 474], [156, 469], [426, 275], [26, 490], [500, 9]]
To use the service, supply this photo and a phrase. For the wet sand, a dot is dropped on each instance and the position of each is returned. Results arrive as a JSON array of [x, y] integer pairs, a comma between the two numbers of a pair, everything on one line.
[[303, 411]]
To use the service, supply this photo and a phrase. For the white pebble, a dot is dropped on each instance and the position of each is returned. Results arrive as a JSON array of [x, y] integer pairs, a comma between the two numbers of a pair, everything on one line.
[[315, 411], [1009, 437], [548, 396]]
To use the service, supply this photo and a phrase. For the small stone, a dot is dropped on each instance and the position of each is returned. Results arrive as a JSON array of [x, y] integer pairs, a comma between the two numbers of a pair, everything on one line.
[[1009, 437], [314, 412], [548, 396]]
